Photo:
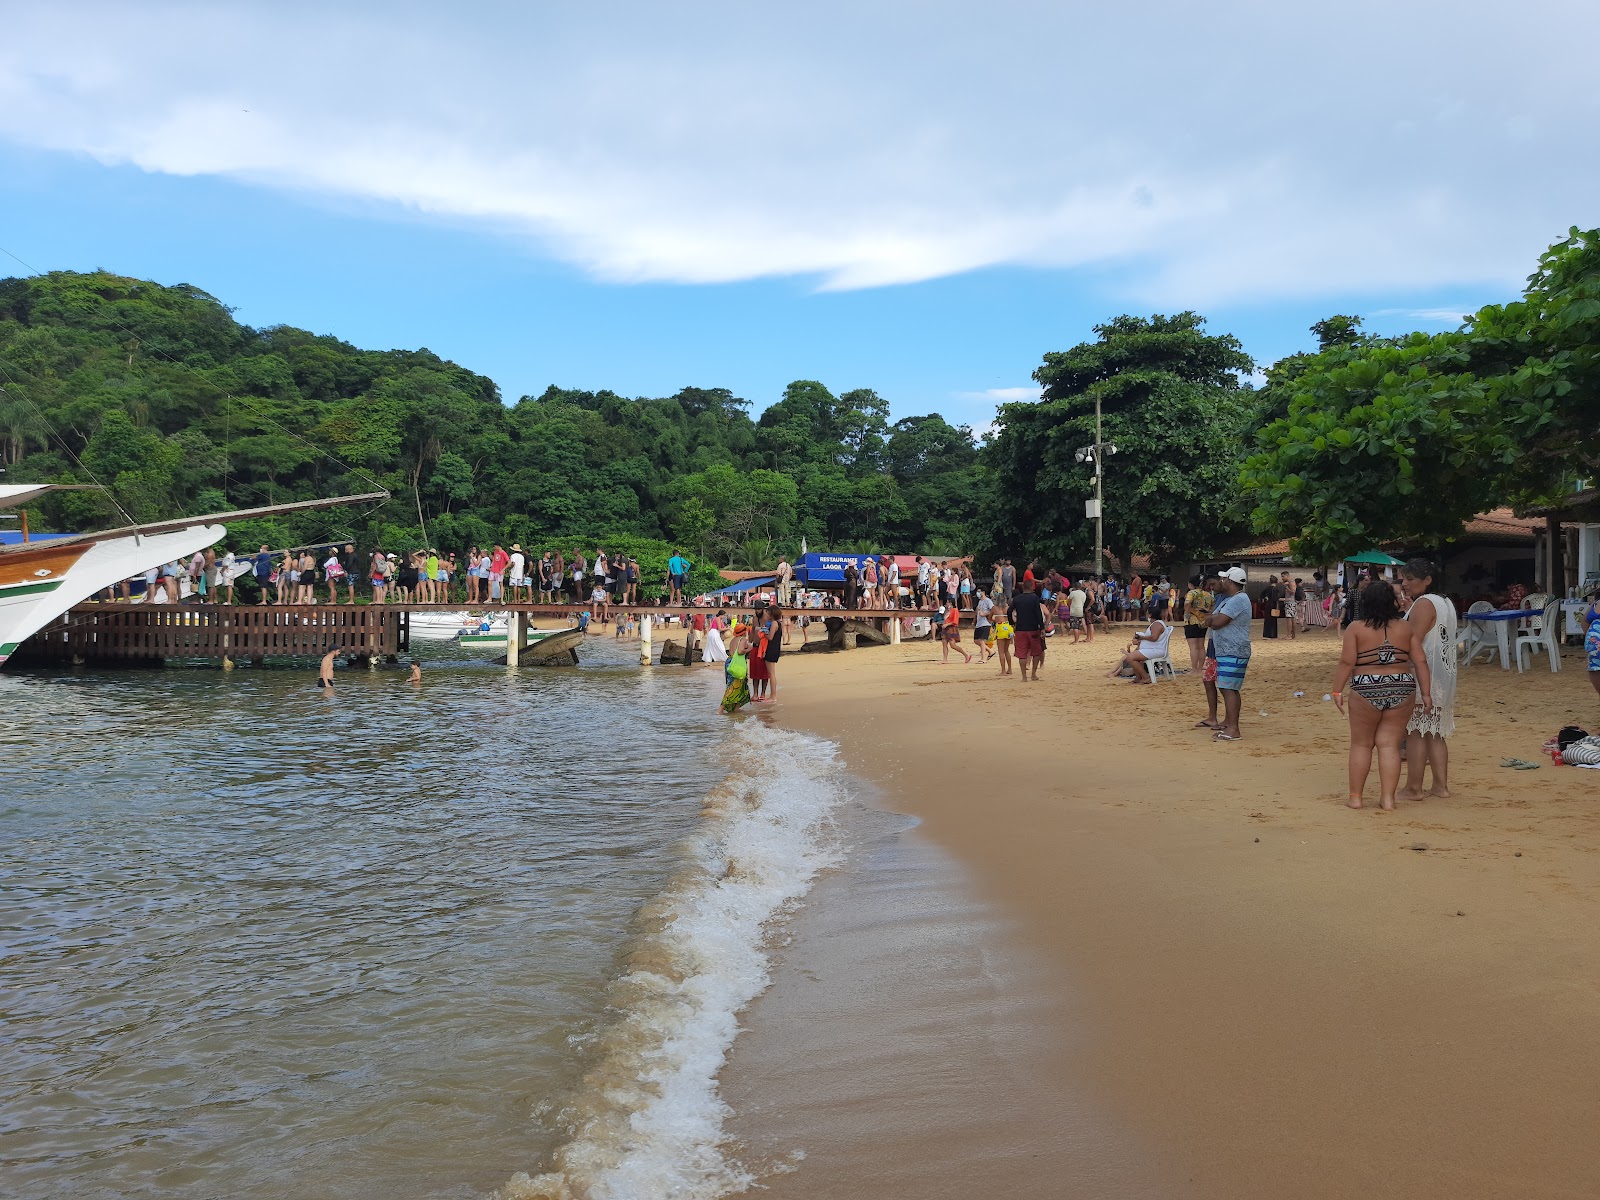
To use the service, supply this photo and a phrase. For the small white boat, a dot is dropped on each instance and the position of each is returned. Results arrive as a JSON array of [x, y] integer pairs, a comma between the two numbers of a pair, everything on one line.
[[445, 626], [495, 639]]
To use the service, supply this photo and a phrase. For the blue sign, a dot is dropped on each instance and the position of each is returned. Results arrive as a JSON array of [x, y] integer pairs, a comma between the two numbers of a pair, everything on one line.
[[813, 569]]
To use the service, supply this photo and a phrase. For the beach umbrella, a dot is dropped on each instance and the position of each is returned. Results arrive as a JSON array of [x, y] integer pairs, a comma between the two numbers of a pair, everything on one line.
[[1376, 557]]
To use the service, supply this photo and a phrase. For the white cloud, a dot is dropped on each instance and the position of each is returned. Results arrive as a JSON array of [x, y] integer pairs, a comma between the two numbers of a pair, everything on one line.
[[1437, 316], [1208, 152], [1006, 395]]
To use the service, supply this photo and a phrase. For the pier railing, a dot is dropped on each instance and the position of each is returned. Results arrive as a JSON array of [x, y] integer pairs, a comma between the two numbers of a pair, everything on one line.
[[161, 631]]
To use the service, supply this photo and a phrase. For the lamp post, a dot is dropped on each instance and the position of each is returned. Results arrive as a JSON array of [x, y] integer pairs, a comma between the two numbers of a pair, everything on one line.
[[1095, 508]]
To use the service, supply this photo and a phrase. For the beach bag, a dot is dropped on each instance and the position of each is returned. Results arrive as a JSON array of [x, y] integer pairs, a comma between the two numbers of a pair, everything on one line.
[[738, 667], [1583, 753]]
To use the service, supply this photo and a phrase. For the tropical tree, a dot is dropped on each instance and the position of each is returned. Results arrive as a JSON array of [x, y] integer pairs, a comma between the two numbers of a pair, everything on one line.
[[1172, 404], [1409, 437]]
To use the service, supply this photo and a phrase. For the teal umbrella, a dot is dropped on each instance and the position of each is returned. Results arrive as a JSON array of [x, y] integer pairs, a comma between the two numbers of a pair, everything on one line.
[[1377, 557]]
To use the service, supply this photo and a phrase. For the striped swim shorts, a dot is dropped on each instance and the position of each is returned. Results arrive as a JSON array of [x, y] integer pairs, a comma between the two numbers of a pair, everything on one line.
[[1230, 672]]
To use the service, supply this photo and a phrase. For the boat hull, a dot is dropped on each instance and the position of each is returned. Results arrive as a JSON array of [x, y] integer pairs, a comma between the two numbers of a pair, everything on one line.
[[37, 586], [497, 641]]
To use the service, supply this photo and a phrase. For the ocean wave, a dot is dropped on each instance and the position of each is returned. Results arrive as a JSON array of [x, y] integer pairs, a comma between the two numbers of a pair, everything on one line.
[[647, 1121]]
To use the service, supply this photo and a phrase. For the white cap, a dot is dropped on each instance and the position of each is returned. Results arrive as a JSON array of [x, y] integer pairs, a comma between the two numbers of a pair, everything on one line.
[[1234, 573]]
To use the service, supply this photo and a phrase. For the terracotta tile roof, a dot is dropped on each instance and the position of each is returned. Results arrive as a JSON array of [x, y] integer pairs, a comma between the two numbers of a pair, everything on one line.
[[1503, 523], [1498, 524], [1278, 549]]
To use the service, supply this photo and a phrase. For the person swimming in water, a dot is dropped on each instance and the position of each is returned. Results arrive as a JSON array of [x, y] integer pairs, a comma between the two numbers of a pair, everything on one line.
[[325, 672], [416, 672]]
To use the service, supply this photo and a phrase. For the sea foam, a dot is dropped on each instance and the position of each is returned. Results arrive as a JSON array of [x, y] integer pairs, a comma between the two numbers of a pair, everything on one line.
[[647, 1122]]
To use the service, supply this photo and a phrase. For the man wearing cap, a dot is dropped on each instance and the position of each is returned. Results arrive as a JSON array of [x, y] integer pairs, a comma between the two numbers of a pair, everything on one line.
[[517, 580], [1228, 654]]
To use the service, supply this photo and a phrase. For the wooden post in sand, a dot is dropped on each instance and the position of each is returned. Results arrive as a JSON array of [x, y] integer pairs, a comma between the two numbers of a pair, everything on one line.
[[644, 641], [516, 635], [894, 631]]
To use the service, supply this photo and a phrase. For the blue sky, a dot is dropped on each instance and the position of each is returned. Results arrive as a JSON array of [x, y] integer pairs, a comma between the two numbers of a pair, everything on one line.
[[734, 199]]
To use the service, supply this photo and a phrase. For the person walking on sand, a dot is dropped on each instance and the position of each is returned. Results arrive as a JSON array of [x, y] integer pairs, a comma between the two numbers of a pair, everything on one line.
[[1383, 663], [1077, 603], [715, 651], [1025, 614], [950, 628], [983, 627], [1196, 612], [1427, 732], [1227, 655]]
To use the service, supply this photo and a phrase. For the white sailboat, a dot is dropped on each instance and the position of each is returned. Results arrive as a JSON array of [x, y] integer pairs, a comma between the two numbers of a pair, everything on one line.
[[40, 580]]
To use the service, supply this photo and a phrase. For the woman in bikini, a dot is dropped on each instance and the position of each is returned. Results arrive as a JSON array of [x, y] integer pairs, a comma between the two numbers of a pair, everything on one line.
[[1383, 663]]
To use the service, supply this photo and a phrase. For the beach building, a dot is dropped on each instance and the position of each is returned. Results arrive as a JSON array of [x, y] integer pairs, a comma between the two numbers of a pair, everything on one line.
[[1494, 550]]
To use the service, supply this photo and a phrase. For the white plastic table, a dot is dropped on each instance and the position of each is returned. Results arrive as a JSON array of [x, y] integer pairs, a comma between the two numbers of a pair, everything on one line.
[[1501, 619]]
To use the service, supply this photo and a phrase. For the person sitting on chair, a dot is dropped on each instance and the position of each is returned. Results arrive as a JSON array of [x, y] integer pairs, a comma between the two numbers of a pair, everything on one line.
[[1148, 644]]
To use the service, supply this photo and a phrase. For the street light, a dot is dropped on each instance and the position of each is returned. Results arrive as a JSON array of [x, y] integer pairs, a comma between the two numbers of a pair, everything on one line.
[[1096, 454]]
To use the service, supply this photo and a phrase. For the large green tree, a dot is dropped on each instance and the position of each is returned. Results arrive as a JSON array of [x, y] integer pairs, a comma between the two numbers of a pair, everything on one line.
[[1406, 438], [1174, 407], [161, 395]]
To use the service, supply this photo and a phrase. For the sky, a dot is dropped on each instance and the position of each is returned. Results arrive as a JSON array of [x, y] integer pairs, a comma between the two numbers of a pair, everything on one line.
[[920, 198]]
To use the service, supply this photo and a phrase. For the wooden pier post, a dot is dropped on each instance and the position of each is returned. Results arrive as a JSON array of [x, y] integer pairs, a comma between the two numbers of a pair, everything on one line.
[[516, 636], [644, 641], [894, 631]]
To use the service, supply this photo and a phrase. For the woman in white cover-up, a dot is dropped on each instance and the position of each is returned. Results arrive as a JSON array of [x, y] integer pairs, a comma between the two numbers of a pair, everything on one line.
[[1428, 730], [715, 651]]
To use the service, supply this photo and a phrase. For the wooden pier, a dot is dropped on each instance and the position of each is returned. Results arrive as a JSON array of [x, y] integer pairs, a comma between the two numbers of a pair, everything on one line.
[[156, 632], [140, 633]]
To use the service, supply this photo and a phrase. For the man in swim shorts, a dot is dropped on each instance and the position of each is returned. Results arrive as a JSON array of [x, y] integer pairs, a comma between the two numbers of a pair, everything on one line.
[[1228, 655], [1025, 614]]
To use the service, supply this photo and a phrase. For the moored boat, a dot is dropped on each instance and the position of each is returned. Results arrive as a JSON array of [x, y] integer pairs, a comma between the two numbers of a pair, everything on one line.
[[41, 580]]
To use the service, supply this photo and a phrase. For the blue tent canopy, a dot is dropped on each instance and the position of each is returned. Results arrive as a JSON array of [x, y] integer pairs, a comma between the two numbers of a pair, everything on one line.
[[828, 568], [744, 585]]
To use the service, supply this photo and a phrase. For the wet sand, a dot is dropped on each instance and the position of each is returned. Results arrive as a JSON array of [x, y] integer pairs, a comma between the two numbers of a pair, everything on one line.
[[1264, 993]]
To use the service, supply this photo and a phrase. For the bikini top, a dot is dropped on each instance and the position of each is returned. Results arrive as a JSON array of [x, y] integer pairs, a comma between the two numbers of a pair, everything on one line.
[[1385, 655]]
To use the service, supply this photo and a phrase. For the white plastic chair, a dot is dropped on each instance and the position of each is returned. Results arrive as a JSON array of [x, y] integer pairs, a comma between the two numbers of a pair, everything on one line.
[[1543, 632], [1470, 640], [1153, 662]]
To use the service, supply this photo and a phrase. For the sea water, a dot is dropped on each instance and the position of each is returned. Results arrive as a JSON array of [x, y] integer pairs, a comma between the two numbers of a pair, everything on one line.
[[488, 935]]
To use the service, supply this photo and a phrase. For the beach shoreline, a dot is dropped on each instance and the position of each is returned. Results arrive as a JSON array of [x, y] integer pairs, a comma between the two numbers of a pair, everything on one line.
[[1278, 996]]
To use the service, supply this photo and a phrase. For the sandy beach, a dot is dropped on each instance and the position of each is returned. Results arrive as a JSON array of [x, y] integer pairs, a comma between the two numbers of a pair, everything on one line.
[[1268, 994]]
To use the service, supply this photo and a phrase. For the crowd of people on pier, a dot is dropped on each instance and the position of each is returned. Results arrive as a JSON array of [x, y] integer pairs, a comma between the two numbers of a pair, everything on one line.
[[334, 573]]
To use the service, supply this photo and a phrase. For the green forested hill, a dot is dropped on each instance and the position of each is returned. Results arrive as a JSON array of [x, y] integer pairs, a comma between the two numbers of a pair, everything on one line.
[[160, 394]]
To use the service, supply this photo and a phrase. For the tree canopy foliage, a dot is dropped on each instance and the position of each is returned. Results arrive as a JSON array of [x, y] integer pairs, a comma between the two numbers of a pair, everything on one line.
[[161, 395], [1405, 438], [1174, 407]]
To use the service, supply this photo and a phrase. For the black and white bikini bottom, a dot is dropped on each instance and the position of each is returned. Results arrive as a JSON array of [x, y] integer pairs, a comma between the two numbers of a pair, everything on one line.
[[1384, 692]]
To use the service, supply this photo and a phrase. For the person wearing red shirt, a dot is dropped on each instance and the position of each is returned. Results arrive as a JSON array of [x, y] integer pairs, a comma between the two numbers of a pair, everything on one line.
[[498, 561]]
